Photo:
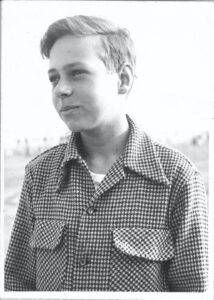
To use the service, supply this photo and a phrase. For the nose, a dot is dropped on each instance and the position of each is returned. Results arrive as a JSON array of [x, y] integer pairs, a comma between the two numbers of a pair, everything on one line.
[[63, 90]]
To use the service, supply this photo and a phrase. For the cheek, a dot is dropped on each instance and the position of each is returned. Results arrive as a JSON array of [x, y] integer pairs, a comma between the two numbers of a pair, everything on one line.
[[105, 89]]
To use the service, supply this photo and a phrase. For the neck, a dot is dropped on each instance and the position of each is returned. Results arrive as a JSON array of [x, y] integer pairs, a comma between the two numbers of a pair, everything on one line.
[[105, 141]]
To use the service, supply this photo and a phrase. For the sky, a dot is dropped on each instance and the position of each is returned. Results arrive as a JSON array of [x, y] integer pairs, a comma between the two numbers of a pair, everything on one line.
[[174, 90]]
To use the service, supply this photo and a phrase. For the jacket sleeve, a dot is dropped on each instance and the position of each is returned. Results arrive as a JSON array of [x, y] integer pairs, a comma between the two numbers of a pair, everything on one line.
[[188, 270], [20, 259]]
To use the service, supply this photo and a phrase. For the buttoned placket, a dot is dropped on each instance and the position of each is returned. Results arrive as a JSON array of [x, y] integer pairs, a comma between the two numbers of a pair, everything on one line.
[[81, 258], [85, 262]]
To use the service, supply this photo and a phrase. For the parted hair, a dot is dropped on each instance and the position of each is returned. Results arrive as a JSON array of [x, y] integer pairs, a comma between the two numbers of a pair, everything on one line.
[[116, 46]]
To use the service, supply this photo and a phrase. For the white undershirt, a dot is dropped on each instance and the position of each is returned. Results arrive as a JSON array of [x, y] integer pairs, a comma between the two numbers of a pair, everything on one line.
[[97, 178]]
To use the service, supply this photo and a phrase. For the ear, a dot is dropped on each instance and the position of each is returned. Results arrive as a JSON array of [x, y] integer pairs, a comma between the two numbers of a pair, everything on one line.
[[125, 79]]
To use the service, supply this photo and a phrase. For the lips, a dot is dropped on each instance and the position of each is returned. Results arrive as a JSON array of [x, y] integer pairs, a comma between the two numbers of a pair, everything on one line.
[[67, 108]]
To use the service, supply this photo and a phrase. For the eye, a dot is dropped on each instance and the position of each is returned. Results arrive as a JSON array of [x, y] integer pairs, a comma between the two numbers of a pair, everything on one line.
[[53, 79], [76, 73]]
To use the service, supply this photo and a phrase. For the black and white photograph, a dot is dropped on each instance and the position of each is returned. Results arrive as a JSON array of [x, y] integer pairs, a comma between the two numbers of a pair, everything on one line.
[[107, 117]]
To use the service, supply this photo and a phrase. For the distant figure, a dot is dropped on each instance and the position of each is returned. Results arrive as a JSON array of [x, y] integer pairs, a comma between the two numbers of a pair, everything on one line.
[[27, 149], [111, 209]]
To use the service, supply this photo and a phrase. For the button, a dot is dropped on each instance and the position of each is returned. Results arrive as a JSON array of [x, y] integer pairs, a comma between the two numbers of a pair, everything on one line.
[[84, 261], [90, 211]]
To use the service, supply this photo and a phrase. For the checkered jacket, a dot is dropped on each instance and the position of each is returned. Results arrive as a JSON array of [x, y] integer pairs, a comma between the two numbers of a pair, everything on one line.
[[144, 228]]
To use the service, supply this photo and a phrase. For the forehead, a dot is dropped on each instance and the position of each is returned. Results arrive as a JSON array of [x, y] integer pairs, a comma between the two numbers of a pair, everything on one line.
[[70, 49]]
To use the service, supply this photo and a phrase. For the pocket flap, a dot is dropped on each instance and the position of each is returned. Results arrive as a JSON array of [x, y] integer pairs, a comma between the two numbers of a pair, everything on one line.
[[152, 244], [47, 234]]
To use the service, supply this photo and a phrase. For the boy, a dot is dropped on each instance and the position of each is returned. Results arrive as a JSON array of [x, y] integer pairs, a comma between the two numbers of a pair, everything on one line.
[[111, 210]]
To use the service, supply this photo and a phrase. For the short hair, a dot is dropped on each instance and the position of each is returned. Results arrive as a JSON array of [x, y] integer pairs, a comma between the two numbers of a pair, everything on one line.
[[116, 48]]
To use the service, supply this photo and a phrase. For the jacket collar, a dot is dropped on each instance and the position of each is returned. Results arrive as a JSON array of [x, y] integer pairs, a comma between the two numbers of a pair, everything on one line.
[[139, 156], [71, 151]]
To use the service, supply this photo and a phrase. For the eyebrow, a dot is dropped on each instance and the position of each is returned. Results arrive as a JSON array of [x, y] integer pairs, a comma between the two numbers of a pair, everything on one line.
[[68, 66]]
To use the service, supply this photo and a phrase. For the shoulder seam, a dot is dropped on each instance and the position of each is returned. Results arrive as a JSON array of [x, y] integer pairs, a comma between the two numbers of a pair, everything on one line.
[[45, 152]]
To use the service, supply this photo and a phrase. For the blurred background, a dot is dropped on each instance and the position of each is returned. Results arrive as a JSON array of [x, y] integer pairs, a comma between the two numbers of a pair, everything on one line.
[[172, 98]]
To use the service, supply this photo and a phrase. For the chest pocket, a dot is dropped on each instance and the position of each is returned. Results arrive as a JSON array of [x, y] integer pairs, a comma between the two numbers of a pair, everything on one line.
[[49, 239], [139, 259], [152, 244]]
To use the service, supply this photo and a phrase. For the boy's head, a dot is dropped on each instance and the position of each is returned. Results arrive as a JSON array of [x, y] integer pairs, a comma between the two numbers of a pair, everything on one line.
[[116, 46], [91, 69]]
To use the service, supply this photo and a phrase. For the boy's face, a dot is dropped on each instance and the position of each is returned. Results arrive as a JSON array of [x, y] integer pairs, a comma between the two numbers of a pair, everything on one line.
[[85, 93]]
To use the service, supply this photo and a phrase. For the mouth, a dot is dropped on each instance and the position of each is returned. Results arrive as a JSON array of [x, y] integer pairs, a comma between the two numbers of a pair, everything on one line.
[[69, 108]]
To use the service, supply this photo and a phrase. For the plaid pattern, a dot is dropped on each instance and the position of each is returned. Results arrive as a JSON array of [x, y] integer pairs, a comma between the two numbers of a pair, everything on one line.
[[143, 229]]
